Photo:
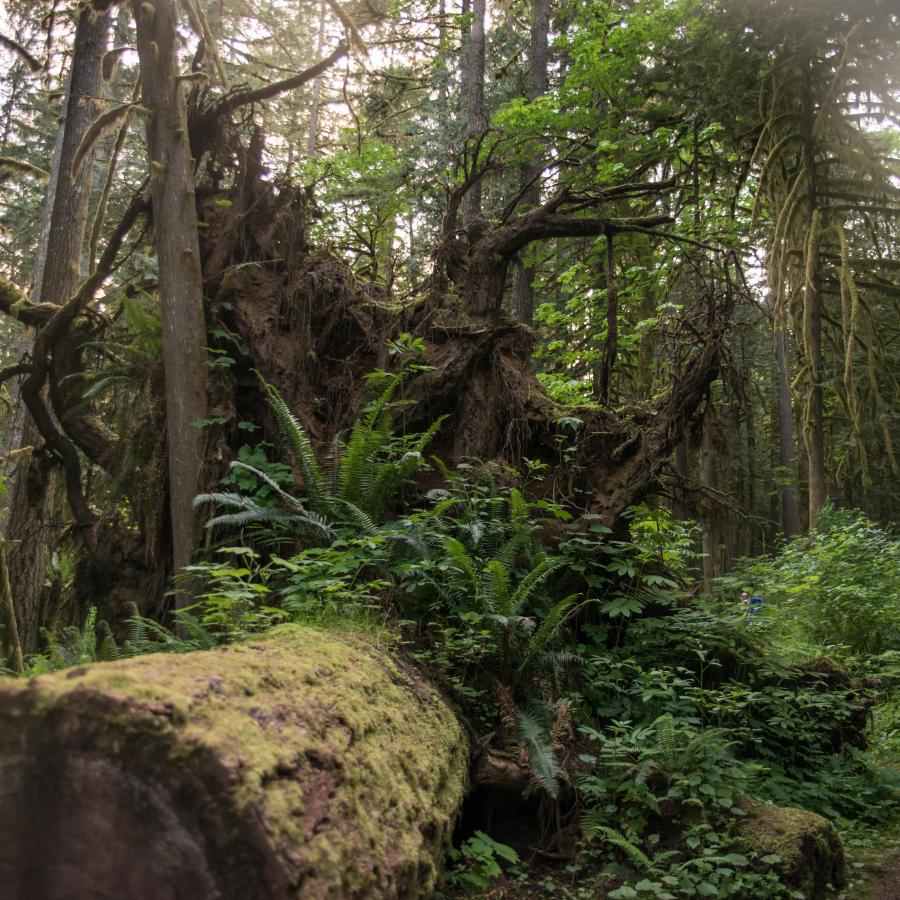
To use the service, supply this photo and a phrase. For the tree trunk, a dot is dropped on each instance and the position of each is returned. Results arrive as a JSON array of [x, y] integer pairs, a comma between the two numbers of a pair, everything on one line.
[[57, 273], [649, 339], [611, 344], [312, 137], [475, 121], [523, 278], [813, 428], [787, 478], [178, 253], [711, 536], [303, 764], [813, 432], [681, 465]]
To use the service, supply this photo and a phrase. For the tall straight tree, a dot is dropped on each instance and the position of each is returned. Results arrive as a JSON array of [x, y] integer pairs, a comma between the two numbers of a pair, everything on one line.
[[312, 136], [57, 273], [813, 430], [475, 120], [787, 477], [523, 281], [178, 253]]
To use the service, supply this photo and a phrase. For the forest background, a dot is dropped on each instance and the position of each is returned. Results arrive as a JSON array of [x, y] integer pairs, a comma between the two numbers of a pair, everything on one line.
[[602, 294]]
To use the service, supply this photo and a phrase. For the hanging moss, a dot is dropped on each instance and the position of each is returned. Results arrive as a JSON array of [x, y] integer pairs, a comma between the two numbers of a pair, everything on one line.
[[299, 764]]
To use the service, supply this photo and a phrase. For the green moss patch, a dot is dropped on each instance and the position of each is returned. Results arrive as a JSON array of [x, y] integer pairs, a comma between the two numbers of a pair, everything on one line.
[[811, 854], [341, 769]]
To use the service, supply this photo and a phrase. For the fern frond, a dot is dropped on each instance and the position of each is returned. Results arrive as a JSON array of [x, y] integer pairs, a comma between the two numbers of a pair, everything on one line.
[[593, 829], [509, 551], [378, 409], [291, 501], [226, 498], [197, 635], [414, 539], [356, 457], [389, 479], [541, 756], [496, 591], [530, 585], [109, 650], [427, 436], [359, 517], [557, 617], [518, 508], [301, 450], [664, 726], [461, 559]]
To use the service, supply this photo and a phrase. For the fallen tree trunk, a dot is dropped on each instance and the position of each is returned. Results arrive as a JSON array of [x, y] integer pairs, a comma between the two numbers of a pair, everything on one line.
[[300, 764]]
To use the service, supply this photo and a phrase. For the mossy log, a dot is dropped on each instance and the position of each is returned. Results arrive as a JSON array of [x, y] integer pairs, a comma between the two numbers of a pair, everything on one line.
[[300, 764], [810, 850]]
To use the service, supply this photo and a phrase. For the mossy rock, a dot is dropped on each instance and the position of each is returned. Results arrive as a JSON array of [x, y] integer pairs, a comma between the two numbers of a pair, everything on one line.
[[300, 764], [811, 853]]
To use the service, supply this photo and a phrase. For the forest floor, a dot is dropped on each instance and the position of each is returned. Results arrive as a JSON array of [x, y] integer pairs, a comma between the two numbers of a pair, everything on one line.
[[874, 865], [873, 854], [874, 870]]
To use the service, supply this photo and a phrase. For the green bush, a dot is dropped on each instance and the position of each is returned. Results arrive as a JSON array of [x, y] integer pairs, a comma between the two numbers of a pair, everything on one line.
[[838, 587]]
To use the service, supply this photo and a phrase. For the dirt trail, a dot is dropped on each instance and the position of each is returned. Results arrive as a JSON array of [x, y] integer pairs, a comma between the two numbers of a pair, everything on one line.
[[886, 885]]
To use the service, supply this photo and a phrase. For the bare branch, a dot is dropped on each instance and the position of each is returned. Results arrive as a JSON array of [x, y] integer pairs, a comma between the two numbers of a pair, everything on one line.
[[233, 101]]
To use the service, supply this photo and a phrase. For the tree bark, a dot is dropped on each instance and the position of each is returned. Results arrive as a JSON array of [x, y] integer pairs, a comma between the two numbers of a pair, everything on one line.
[[478, 263], [711, 536], [610, 345], [787, 477], [312, 136], [813, 430], [523, 277], [681, 465], [303, 764], [178, 253], [475, 121], [57, 273]]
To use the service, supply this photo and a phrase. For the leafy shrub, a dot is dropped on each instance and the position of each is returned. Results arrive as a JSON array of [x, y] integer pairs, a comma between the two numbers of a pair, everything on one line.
[[477, 862], [837, 587]]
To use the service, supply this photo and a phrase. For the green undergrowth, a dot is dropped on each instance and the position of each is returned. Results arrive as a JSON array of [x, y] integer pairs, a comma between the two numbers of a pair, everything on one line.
[[646, 722]]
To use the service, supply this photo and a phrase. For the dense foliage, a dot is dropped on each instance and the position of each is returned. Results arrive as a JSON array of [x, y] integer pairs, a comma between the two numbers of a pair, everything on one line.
[[838, 587], [651, 720], [524, 336]]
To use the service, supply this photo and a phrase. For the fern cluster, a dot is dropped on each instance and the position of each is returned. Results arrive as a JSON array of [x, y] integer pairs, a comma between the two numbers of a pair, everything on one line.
[[94, 641], [359, 488]]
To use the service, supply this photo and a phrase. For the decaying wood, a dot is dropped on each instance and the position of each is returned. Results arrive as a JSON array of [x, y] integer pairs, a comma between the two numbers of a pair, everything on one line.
[[310, 328], [315, 332], [302, 764]]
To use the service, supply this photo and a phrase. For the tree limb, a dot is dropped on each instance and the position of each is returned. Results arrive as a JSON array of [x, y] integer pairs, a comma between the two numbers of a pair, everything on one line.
[[233, 101]]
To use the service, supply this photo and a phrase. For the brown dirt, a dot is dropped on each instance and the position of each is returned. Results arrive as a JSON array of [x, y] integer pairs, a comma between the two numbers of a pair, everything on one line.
[[886, 885]]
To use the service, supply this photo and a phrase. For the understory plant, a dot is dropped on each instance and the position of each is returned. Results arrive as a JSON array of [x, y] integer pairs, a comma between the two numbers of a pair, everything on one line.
[[357, 490], [569, 649], [836, 588]]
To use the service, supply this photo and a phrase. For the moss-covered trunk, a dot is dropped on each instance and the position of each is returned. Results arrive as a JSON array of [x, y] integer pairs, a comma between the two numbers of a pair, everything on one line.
[[300, 764]]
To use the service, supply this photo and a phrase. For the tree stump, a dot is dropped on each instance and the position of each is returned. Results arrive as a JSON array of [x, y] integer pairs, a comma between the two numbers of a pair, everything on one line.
[[303, 763]]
